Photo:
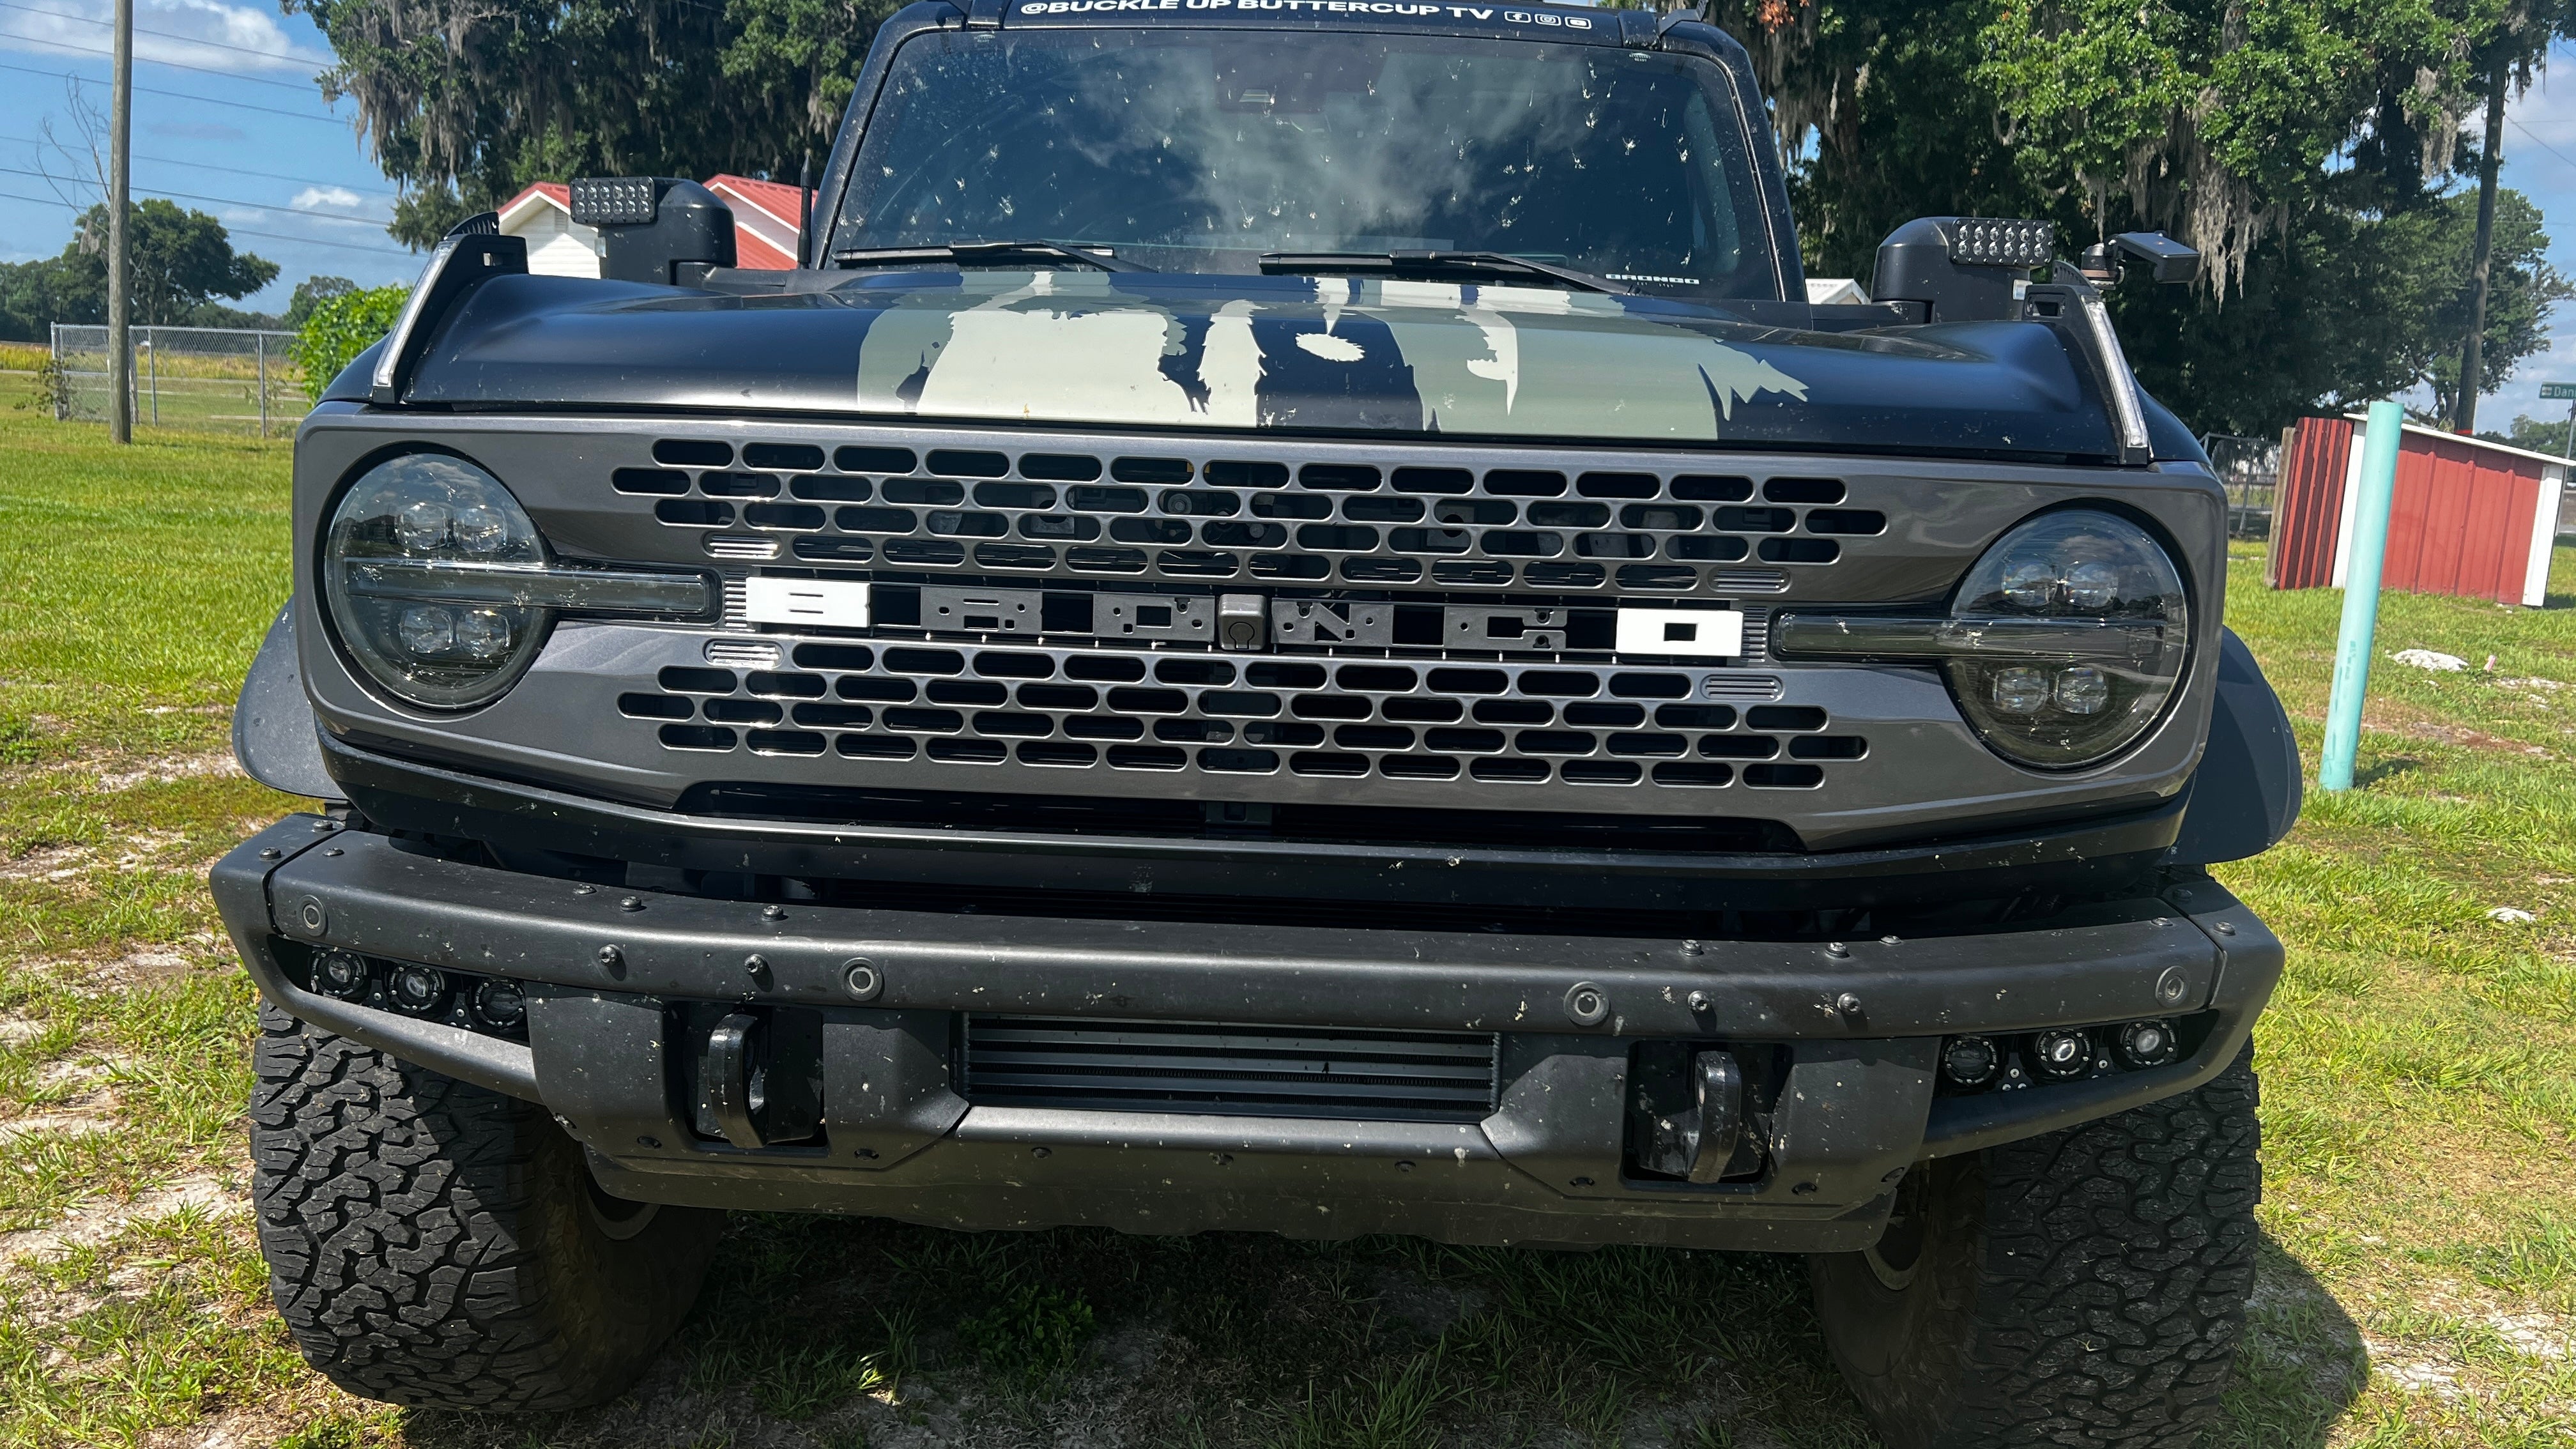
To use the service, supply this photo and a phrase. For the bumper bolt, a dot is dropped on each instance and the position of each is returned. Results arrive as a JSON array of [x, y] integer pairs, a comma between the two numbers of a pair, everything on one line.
[[1804, 1189], [1586, 1004], [270, 852], [1694, 948], [757, 967], [2225, 928], [631, 903], [2171, 985], [1699, 1002], [648, 1141], [613, 959], [1039, 1151], [1837, 950], [1847, 1004], [585, 890], [310, 914], [773, 913], [862, 980], [335, 850]]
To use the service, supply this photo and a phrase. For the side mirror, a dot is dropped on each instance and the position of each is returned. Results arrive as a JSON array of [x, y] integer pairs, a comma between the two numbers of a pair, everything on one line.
[[1961, 268], [2166, 260], [658, 229]]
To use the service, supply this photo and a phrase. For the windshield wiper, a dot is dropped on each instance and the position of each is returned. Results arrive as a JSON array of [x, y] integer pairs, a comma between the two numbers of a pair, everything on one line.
[[988, 254], [1454, 265]]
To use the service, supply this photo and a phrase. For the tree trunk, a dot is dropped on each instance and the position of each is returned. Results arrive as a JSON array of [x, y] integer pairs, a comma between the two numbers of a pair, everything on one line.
[[2465, 415]]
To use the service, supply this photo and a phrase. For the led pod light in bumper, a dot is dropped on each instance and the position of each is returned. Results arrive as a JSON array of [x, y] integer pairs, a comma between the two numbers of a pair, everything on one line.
[[2062, 645], [442, 589]]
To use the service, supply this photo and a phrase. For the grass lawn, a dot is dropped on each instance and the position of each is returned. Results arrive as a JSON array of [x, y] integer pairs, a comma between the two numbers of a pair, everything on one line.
[[2419, 1277]]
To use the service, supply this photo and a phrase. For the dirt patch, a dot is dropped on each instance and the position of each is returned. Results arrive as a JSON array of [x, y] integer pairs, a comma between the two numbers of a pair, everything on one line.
[[2467, 738], [56, 862], [68, 1124], [170, 769], [1427, 1308], [97, 1222]]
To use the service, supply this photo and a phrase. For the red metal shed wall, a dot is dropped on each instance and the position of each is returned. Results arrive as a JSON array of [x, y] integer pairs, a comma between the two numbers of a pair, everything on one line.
[[2307, 511], [2461, 520]]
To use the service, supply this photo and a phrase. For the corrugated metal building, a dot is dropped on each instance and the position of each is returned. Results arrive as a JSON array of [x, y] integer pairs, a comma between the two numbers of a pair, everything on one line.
[[2471, 518]]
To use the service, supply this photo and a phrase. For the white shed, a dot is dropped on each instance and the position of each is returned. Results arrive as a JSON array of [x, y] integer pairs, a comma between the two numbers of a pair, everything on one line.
[[556, 247]]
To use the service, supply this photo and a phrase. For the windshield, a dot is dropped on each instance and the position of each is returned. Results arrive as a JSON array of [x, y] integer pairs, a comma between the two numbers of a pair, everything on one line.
[[1199, 150]]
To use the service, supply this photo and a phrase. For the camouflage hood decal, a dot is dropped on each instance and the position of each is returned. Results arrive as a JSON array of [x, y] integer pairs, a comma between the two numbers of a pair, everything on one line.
[[1070, 347], [1233, 353]]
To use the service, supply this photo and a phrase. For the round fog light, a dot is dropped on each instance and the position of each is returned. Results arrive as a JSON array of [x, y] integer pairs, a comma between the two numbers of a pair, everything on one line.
[[2062, 1054], [2147, 1044], [500, 1003], [418, 990], [1970, 1061], [341, 974]]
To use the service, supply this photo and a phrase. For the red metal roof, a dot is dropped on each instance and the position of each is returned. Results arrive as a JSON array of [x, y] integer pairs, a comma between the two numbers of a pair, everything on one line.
[[781, 201], [779, 205]]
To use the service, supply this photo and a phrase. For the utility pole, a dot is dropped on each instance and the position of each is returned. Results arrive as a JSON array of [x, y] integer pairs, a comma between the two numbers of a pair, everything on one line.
[[2465, 416], [120, 136]]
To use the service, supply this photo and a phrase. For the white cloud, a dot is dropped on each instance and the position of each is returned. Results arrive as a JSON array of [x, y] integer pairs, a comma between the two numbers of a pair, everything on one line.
[[203, 33], [314, 198]]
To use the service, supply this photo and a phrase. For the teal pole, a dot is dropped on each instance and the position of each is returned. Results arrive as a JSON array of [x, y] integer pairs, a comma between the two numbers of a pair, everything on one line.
[[2361, 596]]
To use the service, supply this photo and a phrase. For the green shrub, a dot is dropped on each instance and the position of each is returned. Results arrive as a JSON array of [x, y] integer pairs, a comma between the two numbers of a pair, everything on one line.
[[340, 328]]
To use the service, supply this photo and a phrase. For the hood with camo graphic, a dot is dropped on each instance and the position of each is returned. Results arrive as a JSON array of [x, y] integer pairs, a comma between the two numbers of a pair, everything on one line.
[[1318, 355]]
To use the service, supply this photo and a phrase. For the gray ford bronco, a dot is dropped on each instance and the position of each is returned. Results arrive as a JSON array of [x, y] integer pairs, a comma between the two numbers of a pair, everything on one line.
[[1291, 623]]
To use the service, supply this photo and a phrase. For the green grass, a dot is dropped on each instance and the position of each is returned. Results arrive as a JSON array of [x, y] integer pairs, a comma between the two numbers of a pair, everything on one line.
[[2419, 1270]]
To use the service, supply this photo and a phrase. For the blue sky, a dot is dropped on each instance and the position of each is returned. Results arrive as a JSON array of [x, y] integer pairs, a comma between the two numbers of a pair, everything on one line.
[[226, 118]]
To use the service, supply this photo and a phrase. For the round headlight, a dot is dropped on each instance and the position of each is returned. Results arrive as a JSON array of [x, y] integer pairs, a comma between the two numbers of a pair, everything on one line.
[[430, 509], [2080, 629]]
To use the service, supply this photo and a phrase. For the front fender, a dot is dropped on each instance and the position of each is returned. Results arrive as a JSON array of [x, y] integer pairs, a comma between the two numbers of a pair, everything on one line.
[[2245, 795], [275, 735]]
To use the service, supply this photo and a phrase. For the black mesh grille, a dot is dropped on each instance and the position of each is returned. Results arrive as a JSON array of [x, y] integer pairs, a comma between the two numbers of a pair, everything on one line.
[[1195, 1067], [1263, 522], [1502, 725]]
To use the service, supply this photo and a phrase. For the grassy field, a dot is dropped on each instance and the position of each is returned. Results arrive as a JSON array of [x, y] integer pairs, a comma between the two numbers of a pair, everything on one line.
[[2419, 1273]]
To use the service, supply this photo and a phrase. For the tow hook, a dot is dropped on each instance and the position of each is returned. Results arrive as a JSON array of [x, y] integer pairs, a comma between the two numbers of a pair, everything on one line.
[[760, 1078], [1692, 1118]]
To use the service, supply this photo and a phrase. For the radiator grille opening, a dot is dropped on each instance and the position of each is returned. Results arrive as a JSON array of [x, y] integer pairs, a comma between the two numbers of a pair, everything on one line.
[[1215, 1068]]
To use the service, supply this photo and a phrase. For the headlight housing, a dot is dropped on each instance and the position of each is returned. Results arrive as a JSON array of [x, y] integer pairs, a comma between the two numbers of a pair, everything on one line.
[[399, 524], [2071, 632], [2062, 645]]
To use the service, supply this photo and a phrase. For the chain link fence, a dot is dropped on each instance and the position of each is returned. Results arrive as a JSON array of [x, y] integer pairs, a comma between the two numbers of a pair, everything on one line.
[[217, 379], [2250, 470]]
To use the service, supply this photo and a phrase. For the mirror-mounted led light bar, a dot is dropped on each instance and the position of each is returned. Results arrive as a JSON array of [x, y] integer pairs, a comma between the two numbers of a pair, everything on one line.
[[1985, 241]]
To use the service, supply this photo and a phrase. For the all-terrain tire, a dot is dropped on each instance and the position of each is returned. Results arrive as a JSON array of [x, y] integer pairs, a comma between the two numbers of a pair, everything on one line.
[[2080, 1290], [436, 1244]]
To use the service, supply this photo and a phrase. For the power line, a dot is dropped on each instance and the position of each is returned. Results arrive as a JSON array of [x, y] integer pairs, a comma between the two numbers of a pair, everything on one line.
[[230, 230], [148, 60], [217, 200], [184, 96], [2535, 140], [210, 166], [140, 29]]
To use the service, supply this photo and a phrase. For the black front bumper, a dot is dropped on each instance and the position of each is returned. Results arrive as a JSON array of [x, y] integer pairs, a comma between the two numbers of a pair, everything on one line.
[[1858, 1025]]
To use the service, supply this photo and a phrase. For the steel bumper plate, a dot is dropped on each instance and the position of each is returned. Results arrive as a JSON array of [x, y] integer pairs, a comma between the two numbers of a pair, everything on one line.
[[1862, 1021]]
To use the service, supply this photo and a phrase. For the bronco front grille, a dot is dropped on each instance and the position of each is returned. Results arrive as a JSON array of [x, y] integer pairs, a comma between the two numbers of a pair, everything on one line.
[[1261, 522], [1210, 1068], [1499, 724]]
